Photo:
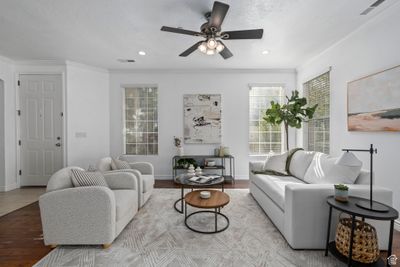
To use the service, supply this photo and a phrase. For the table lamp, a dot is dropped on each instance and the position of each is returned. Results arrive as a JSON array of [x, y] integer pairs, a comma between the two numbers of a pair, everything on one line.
[[349, 159]]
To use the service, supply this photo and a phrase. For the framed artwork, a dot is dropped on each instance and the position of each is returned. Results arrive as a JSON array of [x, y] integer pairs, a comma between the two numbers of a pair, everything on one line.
[[373, 102], [202, 119]]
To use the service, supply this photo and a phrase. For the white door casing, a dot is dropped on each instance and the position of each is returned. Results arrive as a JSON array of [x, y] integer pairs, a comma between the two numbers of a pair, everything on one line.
[[41, 127]]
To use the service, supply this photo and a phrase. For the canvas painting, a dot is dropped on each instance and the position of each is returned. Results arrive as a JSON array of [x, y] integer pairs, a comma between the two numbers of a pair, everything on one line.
[[202, 119], [374, 102]]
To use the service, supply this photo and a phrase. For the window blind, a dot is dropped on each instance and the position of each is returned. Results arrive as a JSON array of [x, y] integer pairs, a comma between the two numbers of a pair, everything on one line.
[[317, 91]]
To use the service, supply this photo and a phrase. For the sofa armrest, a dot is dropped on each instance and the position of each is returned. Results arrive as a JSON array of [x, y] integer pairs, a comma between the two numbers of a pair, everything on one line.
[[78, 216], [256, 166], [145, 168], [122, 179], [306, 213]]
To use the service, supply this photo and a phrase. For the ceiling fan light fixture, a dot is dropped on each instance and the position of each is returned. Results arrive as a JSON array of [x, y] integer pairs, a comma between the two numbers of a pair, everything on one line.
[[220, 47], [203, 47], [210, 52], [212, 43]]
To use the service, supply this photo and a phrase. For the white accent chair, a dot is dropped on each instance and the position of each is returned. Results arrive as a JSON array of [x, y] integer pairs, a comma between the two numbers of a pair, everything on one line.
[[144, 172], [90, 215], [299, 210]]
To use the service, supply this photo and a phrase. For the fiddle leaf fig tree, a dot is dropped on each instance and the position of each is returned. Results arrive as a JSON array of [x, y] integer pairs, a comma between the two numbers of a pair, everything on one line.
[[292, 114]]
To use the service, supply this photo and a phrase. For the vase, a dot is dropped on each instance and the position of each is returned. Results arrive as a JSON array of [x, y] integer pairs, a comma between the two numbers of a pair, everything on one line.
[[180, 151]]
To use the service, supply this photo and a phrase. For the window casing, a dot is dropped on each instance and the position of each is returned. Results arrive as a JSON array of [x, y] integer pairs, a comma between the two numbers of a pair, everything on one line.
[[264, 138], [141, 120], [317, 91]]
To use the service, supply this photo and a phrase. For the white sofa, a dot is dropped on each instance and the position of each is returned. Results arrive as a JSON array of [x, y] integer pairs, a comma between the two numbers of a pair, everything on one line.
[[299, 210], [90, 215], [143, 171]]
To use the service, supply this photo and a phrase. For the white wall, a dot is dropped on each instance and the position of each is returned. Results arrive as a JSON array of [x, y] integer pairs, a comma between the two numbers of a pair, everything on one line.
[[374, 47], [8, 173], [232, 85], [88, 129]]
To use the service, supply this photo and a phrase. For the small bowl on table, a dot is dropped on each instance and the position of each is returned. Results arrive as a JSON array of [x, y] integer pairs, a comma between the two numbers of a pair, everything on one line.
[[205, 194]]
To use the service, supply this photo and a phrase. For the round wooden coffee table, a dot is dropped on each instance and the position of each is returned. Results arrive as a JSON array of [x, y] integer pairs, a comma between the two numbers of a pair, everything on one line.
[[216, 201]]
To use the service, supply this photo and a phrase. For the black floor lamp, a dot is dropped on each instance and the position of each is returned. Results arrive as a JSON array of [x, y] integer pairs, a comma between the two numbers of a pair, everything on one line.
[[347, 159]]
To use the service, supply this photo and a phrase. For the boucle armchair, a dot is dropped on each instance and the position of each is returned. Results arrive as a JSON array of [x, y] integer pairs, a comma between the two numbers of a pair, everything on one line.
[[90, 215], [143, 171]]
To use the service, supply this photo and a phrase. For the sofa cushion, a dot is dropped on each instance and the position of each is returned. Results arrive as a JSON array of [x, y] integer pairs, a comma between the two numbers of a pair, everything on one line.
[[300, 162], [148, 183], [276, 163], [324, 170], [274, 186], [84, 178], [125, 202]]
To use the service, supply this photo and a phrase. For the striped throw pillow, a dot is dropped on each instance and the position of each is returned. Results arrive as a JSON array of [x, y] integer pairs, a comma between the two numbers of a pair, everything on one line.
[[84, 178], [121, 165]]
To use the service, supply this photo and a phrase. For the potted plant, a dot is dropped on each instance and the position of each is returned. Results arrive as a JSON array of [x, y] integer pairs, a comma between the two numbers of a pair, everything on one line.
[[292, 114], [341, 192], [185, 162]]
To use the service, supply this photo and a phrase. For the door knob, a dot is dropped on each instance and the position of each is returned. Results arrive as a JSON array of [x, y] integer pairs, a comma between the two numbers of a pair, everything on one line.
[[58, 144]]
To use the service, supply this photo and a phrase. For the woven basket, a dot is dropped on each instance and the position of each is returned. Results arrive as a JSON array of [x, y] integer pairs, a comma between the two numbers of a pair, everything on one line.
[[365, 240]]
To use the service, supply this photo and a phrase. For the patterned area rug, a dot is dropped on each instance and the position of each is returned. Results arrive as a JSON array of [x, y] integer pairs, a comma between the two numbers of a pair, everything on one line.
[[157, 236]]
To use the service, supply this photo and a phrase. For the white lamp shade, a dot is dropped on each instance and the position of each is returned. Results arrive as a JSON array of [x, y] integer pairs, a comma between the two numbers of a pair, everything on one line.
[[348, 159]]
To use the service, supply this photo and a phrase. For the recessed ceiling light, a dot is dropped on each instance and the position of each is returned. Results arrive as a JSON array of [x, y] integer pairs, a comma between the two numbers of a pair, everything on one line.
[[126, 60], [265, 52], [142, 53]]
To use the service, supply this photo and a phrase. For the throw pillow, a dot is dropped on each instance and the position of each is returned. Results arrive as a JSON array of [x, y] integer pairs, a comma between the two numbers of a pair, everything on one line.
[[84, 178], [324, 170], [300, 162], [91, 168], [276, 163], [120, 164]]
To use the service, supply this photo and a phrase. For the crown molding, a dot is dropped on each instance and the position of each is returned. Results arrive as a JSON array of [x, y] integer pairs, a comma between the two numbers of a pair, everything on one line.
[[199, 71], [84, 66], [6, 59], [44, 62]]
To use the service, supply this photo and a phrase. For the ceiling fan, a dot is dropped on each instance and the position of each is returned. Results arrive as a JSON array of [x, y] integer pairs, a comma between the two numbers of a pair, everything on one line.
[[211, 31]]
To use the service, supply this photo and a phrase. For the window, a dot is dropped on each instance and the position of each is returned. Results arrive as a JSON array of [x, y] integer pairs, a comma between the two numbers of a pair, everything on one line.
[[263, 137], [141, 121], [317, 91]]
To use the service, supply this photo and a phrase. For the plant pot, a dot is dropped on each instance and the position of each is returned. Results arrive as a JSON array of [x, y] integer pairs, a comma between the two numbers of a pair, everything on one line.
[[341, 195]]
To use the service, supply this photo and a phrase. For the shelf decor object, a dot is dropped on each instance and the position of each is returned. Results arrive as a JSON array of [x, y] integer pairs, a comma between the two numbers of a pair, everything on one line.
[[349, 159]]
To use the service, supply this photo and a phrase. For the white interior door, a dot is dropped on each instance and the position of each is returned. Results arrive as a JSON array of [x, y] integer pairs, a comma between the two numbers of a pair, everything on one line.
[[41, 130]]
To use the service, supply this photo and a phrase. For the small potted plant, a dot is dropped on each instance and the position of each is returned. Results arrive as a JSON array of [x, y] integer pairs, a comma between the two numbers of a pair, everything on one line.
[[178, 145], [341, 192]]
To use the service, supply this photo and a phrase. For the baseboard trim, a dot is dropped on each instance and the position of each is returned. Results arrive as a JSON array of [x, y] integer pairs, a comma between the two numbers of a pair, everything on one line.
[[8, 187], [397, 225]]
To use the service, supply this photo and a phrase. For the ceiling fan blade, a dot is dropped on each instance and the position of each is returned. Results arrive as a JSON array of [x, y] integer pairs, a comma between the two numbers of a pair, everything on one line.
[[181, 31], [225, 53], [245, 34], [218, 14], [190, 49]]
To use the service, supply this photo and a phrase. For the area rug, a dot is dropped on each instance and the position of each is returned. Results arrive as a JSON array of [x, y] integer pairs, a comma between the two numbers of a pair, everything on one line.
[[157, 236]]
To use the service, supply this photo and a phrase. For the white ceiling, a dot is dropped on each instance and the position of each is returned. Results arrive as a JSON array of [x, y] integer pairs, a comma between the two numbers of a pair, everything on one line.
[[98, 32]]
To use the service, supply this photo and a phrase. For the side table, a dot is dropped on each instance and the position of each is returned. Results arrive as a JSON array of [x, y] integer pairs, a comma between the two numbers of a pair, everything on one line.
[[184, 182], [354, 211]]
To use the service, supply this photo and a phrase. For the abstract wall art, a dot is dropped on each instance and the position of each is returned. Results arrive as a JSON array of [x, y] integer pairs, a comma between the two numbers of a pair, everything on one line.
[[202, 118], [373, 102]]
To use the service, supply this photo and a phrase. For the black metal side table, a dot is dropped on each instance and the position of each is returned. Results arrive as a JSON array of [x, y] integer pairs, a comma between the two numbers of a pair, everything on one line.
[[354, 211]]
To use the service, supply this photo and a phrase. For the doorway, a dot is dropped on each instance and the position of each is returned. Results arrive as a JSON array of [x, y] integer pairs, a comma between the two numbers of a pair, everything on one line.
[[41, 127]]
